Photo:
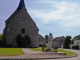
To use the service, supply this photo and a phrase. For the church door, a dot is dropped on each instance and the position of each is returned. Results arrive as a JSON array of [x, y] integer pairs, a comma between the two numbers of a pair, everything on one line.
[[22, 42]]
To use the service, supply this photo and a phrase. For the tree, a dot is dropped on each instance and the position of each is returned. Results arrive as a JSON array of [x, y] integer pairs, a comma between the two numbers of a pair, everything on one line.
[[1, 35], [67, 42], [72, 41], [1, 40], [51, 35], [46, 36]]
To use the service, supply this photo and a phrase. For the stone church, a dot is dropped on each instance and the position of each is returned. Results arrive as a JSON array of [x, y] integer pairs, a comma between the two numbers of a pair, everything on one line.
[[20, 23]]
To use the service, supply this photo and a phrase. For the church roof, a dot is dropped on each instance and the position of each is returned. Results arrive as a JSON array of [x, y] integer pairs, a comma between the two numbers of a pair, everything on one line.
[[21, 5]]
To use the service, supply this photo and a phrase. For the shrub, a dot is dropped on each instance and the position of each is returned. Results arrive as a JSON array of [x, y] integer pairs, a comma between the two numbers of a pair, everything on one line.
[[10, 45], [66, 46], [1, 42], [40, 45], [75, 47]]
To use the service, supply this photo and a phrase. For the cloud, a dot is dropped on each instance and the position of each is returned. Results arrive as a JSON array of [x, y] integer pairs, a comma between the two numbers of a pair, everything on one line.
[[66, 13]]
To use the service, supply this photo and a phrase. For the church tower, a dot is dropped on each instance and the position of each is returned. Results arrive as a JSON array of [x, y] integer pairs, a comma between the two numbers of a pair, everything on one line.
[[20, 23]]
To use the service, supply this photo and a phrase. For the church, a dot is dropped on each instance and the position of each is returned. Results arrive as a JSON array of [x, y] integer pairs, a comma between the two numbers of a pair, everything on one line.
[[18, 26]]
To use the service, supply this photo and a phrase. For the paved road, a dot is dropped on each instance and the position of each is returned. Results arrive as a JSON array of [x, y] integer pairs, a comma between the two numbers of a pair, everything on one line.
[[73, 58]]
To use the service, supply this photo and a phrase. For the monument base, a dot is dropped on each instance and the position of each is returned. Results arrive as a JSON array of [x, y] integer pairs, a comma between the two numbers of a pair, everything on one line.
[[48, 49]]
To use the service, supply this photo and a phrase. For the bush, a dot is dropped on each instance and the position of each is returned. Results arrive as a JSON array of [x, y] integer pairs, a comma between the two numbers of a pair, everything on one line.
[[75, 47], [1, 42], [66, 46], [40, 45]]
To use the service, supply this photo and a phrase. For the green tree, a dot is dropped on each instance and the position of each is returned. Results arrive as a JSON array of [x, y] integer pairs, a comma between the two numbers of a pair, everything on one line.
[[1, 40], [1, 35], [72, 41], [46, 36], [51, 35], [67, 42]]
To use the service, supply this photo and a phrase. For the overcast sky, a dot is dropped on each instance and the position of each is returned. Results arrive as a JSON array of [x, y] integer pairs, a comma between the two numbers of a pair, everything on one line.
[[59, 17]]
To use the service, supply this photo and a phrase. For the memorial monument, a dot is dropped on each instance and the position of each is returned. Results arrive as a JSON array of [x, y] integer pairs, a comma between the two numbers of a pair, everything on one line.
[[49, 45]]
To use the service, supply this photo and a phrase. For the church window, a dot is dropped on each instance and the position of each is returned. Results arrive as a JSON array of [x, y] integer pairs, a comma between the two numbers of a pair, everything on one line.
[[7, 28], [23, 30]]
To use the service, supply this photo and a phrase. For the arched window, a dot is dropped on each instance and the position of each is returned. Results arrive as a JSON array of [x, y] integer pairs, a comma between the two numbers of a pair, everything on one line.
[[23, 30]]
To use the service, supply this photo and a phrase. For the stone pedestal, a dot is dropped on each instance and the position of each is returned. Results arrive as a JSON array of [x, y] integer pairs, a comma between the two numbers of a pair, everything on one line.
[[49, 45]]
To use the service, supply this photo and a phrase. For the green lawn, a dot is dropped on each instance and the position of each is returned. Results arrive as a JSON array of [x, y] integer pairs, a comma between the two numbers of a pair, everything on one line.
[[59, 50], [18, 51], [10, 51], [36, 49], [67, 52]]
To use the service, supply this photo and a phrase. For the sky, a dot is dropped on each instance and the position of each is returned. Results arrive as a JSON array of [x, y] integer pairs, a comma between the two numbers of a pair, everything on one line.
[[59, 17]]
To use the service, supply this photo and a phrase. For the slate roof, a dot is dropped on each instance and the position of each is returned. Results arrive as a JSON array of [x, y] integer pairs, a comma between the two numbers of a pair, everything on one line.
[[21, 5], [75, 38], [11, 17], [58, 38]]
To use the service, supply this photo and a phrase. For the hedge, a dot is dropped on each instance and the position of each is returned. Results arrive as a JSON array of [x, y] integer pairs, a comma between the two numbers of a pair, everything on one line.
[[75, 47]]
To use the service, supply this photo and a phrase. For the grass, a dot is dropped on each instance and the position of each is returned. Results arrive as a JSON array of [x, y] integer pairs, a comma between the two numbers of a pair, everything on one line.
[[59, 50], [36, 49], [10, 51], [18, 51], [69, 53]]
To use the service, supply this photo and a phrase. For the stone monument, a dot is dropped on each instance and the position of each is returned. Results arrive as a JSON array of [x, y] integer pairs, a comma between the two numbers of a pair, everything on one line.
[[49, 45]]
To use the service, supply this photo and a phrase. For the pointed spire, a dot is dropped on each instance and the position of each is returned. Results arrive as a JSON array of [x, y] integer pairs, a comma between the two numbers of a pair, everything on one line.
[[21, 5]]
